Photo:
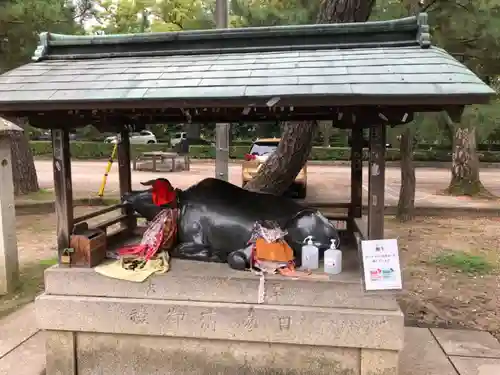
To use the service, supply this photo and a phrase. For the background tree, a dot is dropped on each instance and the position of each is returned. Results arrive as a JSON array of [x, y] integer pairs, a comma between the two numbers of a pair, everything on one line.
[[20, 23], [470, 31], [281, 168], [406, 201]]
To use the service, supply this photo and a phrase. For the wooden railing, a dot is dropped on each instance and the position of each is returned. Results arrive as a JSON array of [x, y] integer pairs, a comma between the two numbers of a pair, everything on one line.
[[97, 213], [80, 223]]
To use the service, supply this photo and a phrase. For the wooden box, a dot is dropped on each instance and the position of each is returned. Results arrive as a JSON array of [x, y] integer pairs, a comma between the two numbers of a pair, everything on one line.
[[89, 248]]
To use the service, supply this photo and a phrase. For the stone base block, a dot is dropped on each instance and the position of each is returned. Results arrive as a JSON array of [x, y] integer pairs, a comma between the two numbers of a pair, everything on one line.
[[302, 325], [104, 354], [204, 319]]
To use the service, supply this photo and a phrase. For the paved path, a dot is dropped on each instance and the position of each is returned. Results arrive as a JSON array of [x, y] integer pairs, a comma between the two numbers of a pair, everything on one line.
[[426, 352], [325, 183]]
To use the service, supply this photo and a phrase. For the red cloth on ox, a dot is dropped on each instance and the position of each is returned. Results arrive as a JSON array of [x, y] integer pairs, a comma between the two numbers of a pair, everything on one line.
[[163, 192], [160, 233]]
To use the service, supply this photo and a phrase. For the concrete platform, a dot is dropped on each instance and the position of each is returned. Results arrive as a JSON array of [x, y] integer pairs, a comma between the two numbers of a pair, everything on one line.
[[204, 318], [423, 354]]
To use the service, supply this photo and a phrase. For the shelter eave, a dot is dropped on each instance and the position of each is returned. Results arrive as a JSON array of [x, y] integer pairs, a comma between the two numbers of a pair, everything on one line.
[[434, 100], [366, 76]]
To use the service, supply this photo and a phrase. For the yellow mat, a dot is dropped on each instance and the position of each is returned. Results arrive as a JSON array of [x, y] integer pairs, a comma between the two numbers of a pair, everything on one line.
[[115, 270]]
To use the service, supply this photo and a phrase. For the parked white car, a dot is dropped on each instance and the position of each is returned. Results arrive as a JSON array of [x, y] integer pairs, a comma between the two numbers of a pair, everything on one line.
[[177, 138], [141, 138]]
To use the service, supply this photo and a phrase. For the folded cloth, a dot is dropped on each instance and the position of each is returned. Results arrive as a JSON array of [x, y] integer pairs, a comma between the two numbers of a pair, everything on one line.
[[160, 235], [121, 269], [278, 251]]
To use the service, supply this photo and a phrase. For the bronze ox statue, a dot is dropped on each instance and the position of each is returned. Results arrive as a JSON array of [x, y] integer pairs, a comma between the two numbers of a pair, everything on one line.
[[216, 217]]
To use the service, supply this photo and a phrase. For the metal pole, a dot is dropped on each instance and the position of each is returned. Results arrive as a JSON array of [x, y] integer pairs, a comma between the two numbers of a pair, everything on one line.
[[223, 130], [221, 14], [106, 173]]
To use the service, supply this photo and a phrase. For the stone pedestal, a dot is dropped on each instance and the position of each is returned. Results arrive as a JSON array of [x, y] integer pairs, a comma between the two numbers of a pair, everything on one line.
[[9, 263], [204, 319]]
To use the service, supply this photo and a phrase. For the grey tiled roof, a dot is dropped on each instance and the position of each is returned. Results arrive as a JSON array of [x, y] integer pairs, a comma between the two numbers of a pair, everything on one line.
[[337, 72]]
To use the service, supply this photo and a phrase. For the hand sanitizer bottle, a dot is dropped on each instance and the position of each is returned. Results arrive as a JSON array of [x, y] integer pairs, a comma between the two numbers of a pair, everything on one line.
[[310, 255], [333, 259]]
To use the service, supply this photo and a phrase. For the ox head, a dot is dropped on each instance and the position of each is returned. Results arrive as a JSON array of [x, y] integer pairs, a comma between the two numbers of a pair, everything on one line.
[[147, 203], [162, 191]]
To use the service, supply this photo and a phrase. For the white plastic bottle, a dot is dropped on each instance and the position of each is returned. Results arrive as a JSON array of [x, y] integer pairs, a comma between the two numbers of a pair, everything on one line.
[[310, 255], [333, 260]]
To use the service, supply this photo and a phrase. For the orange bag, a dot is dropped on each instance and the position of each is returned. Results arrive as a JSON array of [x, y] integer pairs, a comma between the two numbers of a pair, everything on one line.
[[278, 251]]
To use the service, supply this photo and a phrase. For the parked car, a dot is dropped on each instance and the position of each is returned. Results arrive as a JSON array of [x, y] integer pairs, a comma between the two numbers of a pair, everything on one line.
[[46, 136], [260, 150], [177, 138], [199, 142], [141, 138]]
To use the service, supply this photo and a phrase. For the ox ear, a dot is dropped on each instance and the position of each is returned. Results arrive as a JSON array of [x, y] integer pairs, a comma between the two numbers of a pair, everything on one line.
[[148, 183]]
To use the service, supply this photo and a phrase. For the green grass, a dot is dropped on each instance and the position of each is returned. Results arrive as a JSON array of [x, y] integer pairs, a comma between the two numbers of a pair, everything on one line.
[[30, 285], [40, 195], [464, 262]]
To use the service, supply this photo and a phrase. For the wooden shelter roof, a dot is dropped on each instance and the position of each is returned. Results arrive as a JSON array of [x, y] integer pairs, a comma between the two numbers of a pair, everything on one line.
[[374, 63]]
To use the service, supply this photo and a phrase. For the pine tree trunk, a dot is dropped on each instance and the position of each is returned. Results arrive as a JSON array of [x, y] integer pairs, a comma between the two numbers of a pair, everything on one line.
[[280, 170], [465, 163], [406, 203], [23, 165], [342, 11], [282, 167]]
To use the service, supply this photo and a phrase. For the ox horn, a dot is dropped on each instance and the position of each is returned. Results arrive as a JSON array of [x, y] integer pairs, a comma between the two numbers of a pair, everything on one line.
[[148, 183]]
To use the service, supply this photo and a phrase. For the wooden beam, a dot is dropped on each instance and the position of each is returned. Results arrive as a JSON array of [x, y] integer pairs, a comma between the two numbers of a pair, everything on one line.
[[107, 119], [96, 213], [356, 173], [376, 183], [360, 227], [63, 188], [356, 206], [125, 176]]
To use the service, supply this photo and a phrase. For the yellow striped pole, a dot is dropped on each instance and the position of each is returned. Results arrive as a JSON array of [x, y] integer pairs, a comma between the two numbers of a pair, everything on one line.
[[108, 168]]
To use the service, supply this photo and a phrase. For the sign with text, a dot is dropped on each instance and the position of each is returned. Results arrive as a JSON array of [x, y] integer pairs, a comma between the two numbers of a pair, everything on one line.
[[382, 270]]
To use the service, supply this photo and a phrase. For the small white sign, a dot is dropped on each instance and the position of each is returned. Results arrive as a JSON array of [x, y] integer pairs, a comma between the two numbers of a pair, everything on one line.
[[381, 265]]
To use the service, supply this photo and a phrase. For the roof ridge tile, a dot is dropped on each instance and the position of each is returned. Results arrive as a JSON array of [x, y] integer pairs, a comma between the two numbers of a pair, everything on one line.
[[409, 31]]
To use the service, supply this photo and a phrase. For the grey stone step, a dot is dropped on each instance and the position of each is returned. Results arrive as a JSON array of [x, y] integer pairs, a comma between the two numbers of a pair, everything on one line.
[[210, 282], [17, 328], [467, 343], [26, 359], [422, 355], [476, 365]]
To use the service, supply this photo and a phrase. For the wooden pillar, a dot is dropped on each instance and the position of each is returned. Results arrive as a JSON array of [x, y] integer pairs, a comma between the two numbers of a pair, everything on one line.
[[63, 188], [356, 206], [376, 183], [125, 175], [9, 262], [222, 135]]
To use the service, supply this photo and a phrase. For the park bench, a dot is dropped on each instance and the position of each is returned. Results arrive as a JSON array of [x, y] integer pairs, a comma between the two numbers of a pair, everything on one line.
[[161, 157]]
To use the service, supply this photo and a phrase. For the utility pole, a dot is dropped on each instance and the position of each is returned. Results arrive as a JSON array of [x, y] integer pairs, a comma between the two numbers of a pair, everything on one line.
[[221, 14], [222, 130]]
